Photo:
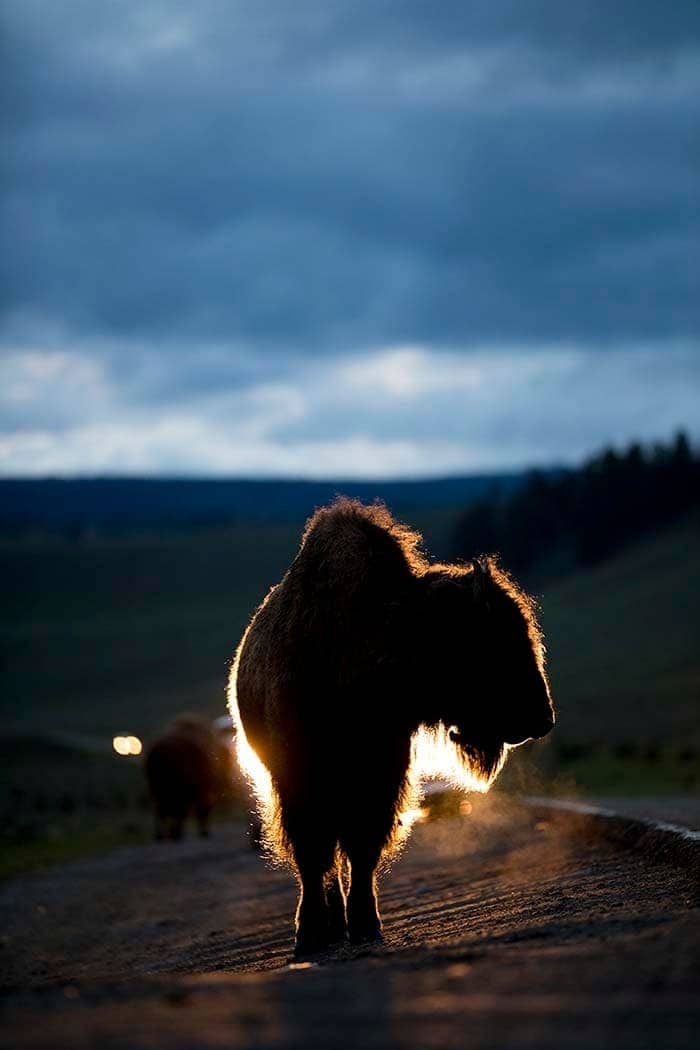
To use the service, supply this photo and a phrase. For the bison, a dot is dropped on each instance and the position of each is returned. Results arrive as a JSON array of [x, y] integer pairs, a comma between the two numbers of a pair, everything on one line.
[[363, 643], [188, 768]]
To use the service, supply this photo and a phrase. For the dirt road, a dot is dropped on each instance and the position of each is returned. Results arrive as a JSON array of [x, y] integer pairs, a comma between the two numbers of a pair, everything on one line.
[[502, 930]]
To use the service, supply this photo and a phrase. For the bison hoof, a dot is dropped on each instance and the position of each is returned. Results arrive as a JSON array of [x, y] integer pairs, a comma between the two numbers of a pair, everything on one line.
[[311, 942], [365, 933], [337, 931]]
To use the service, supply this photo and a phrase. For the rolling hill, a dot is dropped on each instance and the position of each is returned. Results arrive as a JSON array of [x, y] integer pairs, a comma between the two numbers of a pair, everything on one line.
[[129, 504], [624, 642], [119, 632]]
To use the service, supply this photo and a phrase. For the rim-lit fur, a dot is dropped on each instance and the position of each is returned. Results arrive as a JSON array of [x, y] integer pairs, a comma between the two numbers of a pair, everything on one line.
[[363, 642]]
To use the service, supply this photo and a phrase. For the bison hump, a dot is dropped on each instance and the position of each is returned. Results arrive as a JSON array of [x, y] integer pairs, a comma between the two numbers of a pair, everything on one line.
[[352, 553]]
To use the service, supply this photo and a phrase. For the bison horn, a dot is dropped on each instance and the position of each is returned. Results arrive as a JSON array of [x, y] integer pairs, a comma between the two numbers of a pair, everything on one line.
[[481, 576]]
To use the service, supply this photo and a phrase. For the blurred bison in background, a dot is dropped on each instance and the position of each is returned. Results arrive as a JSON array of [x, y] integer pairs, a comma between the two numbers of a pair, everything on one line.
[[188, 769], [361, 644]]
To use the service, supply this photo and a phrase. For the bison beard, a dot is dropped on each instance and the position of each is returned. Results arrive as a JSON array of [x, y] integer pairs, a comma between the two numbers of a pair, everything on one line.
[[362, 650]]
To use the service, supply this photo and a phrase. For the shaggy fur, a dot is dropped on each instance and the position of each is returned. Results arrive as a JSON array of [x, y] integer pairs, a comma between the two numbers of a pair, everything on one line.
[[363, 642], [188, 768]]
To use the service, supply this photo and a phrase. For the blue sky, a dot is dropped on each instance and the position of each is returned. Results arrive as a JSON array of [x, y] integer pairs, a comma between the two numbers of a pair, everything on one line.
[[331, 239]]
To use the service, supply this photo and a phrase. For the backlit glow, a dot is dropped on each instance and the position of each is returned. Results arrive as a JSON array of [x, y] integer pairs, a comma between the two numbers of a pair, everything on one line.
[[255, 772], [253, 768], [435, 757], [415, 815]]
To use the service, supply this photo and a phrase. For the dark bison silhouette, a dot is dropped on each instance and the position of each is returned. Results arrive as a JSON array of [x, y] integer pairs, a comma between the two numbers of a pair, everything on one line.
[[363, 642], [188, 769]]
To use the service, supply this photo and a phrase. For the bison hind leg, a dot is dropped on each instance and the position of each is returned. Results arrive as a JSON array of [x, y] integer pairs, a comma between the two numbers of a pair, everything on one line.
[[335, 901], [202, 813], [364, 924], [169, 822], [366, 837], [320, 916], [177, 826]]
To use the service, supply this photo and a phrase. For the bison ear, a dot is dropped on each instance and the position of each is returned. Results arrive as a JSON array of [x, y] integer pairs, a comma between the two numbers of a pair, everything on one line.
[[440, 588]]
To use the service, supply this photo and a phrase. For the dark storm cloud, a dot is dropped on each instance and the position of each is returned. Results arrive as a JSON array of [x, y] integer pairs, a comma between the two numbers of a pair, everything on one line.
[[340, 239], [332, 176], [593, 32]]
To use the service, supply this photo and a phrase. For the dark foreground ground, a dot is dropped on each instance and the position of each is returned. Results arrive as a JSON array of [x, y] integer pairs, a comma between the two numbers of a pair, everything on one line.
[[503, 929]]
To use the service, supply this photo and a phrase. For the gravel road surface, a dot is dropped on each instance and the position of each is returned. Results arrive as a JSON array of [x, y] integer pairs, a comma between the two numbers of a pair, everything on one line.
[[502, 929]]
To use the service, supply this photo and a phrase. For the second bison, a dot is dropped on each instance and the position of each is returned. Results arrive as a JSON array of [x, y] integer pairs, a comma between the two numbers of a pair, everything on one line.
[[362, 643], [188, 769]]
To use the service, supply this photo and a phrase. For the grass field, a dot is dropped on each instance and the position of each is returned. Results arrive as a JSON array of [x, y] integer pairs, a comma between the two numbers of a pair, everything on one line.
[[118, 634], [624, 643]]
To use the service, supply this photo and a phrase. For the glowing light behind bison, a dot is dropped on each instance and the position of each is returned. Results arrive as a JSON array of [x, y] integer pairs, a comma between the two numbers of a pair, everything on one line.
[[435, 756], [366, 671]]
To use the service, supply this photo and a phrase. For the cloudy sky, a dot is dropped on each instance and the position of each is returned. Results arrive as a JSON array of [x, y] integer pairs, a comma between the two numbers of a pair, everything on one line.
[[346, 239]]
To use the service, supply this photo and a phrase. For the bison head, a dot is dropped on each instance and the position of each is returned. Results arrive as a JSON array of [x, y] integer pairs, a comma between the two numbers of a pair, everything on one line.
[[486, 683]]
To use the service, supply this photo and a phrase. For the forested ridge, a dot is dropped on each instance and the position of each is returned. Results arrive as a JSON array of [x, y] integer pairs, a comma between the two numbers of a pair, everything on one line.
[[580, 517]]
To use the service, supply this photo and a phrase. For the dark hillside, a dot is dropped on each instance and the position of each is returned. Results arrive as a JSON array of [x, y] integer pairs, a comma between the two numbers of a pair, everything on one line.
[[624, 643], [119, 633], [127, 504]]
